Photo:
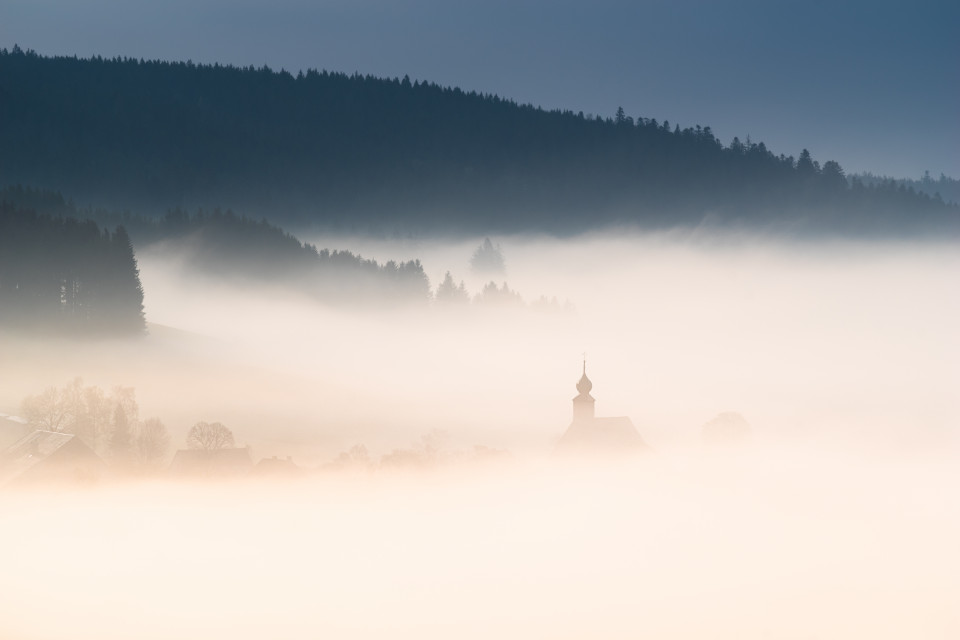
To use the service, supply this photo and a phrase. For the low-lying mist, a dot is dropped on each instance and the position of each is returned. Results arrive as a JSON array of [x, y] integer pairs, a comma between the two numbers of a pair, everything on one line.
[[837, 519], [809, 340], [751, 544]]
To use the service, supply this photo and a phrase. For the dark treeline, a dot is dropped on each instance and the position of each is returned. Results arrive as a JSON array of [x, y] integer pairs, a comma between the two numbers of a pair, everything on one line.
[[66, 275], [356, 152], [943, 188], [225, 245]]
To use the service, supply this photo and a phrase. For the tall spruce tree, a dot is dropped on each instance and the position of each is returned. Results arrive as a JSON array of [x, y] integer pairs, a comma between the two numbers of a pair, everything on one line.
[[127, 292], [66, 275]]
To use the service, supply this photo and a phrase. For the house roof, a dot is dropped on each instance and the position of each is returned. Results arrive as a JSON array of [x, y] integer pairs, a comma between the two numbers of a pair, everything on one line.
[[277, 466], [12, 429], [726, 428], [33, 449], [214, 462]]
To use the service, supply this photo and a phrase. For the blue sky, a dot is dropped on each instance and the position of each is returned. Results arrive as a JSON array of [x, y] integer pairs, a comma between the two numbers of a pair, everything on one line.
[[874, 85]]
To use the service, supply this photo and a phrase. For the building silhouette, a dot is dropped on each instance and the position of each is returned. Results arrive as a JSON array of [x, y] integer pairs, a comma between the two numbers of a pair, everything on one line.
[[277, 468], [12, 428], [212, 463], [728, 428], [50, 457], [588, 434]]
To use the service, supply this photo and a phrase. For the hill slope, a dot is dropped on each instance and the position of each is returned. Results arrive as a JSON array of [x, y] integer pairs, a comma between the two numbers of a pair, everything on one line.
[[359, 151]]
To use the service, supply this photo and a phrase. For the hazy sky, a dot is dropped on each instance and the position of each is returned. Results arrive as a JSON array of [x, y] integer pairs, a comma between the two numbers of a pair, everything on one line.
[[873, 84]]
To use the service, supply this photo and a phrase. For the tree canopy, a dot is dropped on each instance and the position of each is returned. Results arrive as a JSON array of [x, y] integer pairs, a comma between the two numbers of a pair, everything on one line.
[[218, 243], [209, 436]]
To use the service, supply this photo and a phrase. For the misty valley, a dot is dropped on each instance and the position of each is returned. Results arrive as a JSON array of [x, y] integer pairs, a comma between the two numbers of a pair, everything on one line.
[[330, 355], [795, 402], [307, 352]]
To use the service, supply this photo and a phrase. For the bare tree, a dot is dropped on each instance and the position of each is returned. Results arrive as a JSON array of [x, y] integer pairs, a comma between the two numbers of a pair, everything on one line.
[[48, 410], [126, 397], [92, 416], [152, 441], [86, 412], [209, 436]]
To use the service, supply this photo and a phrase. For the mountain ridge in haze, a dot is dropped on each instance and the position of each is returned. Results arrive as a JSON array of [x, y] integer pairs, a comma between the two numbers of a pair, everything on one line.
[[359, 153]]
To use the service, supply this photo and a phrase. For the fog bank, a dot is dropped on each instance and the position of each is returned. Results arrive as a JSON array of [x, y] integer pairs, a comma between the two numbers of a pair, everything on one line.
[[838, 518], [843, 341], [772, 543]]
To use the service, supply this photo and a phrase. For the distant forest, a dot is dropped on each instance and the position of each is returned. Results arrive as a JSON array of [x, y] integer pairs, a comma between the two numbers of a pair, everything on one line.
[[355, 153], [229, 246], [217, 243], [66, 275], [943, 188]]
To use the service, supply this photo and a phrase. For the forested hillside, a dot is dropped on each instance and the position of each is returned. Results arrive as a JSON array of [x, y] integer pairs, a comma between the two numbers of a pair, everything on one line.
[[229, 246], [358, 152], [66, 275], [943, 188], [40, 227]]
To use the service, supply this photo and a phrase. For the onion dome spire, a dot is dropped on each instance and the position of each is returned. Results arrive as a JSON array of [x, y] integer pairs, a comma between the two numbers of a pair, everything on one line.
[[584, 386]]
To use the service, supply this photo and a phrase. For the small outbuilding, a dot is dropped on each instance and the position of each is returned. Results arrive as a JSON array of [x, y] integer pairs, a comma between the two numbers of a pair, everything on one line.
[[728, 428]]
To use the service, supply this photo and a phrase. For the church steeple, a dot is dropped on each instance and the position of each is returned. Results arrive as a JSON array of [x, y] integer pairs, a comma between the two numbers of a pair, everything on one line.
[[583, 404], [584, 386], [590, 435]]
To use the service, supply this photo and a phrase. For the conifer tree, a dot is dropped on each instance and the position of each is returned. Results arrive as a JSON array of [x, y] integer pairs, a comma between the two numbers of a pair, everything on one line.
[[448, 292], [488, 259], [121, 437], [126, 292]]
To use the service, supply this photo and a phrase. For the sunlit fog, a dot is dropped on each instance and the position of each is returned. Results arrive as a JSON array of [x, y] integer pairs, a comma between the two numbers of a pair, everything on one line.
[[428, 499]]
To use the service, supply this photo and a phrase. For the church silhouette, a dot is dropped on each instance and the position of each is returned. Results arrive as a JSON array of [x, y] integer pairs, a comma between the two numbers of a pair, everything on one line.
[[588, 434]]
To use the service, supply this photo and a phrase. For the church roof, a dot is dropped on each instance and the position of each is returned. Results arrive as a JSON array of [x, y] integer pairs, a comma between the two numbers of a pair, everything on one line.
[[591, 435], [603, 436]]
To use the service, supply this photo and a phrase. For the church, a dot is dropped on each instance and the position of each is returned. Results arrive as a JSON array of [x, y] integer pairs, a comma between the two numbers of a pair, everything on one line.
[[588, 434]]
